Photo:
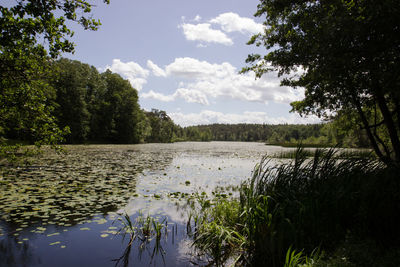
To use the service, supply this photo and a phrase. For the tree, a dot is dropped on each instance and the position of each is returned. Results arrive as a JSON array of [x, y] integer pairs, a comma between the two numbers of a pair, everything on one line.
[[31, 33], [78, 88], [162, 127], [119, 113], [345, 53]]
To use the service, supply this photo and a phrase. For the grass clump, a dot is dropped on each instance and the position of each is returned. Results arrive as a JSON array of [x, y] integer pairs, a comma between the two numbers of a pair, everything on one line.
[[143, 229], [302, 205], [213, 226]]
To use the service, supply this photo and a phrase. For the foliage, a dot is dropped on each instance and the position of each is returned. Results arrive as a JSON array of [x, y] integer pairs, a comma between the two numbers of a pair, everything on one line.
[[120, 110], [325, 134], [28, 21], [346, 56], [298, 259], [306, 204], [162, 127], [215, 232], [28, 30], [143, 229], [74, 83], [96, 107]]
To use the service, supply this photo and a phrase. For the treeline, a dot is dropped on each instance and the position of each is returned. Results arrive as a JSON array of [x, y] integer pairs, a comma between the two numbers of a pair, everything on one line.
[[92, 107], [89, 106], [324, 134]]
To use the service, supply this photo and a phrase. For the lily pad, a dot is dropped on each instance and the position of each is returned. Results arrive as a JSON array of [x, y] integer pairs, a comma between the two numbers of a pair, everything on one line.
[[53, 234]]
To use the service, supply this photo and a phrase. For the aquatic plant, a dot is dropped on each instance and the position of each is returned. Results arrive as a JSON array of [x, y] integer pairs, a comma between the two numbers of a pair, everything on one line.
[[143, 229], [339, 153], [128, 228], [305, 203], [299, 259]]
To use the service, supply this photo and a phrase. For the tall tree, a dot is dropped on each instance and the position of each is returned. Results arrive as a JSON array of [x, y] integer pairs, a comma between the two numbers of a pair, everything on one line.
[[120, 114], [77, 87], [24, 94], [345, 53], [162, 127]]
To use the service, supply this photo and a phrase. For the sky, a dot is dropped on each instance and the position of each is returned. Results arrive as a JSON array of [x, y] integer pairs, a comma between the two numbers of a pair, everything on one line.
[[184, 57]]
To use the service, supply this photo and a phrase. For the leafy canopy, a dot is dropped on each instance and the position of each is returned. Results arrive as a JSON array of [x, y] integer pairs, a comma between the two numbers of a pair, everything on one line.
[[345, 53], [32, 32]]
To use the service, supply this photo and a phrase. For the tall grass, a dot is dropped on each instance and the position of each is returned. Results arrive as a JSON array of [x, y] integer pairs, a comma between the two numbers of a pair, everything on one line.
[[339, 154], [304, 204], [144, 229]]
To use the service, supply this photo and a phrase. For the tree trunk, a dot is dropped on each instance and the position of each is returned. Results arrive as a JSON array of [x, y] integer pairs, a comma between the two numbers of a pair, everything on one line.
[[383, 158], [394, 138]]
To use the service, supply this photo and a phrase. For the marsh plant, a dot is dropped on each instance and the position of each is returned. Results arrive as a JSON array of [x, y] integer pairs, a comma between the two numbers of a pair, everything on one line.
[[299, 259], [285, 212], [339, 153], [144, 229], [212, 227]]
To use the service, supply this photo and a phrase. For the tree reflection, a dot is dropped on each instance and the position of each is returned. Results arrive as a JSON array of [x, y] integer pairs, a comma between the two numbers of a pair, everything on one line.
[[14, 253]]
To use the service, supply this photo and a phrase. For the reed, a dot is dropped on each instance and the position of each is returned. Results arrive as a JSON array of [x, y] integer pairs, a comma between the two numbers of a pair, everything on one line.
[[303, 204], [143, 229]]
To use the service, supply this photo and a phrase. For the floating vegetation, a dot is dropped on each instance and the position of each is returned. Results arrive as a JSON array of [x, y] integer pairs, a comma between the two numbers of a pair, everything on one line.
[[53, 234], [67, 190], [82, 190]]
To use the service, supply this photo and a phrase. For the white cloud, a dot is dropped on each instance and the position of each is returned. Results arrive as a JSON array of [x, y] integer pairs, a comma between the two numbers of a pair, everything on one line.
[[209, 117], [203, 82], [223, 80], [131, 71], [157, 71], [203, 32], [192, 68], [158, 96], [231, 22], [190, 96]]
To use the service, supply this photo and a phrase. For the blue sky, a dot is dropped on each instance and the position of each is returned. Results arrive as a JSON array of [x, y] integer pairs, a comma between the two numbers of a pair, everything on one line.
[[183, 56]]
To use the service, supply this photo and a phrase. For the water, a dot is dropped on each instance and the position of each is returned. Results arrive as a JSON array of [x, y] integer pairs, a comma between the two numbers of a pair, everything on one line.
[[62, 210]]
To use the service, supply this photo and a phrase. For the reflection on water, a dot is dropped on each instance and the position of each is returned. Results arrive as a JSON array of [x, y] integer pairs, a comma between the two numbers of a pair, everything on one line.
[[61, 210]]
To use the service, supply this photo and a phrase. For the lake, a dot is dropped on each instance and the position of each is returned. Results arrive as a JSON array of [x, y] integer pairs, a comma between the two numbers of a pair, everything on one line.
[[63, 209]]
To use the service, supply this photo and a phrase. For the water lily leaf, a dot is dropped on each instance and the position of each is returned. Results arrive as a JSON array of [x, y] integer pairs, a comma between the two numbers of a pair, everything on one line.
[[101, 221], [53, 234]]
